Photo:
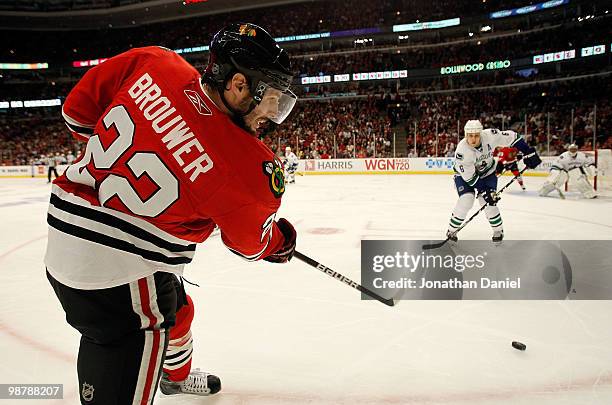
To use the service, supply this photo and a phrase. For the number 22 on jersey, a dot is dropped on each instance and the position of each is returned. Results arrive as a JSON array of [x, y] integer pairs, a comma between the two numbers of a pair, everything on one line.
[[141, 163]]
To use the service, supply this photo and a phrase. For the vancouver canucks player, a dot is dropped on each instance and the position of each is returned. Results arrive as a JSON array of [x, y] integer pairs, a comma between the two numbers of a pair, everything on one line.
[[570, 160], [475, 172]]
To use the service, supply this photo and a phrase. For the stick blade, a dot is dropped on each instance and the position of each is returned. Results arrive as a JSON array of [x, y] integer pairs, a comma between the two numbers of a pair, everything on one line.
[[434, 245]]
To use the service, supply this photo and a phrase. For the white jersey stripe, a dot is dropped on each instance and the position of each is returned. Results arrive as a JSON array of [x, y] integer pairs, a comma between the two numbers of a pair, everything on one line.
[[153, 302], [154, 340], [113, 232], [136, 304], [180, 361], [144, 368], [147, 226], [91, 273], [157, 364], [183, 338], [177, 349]]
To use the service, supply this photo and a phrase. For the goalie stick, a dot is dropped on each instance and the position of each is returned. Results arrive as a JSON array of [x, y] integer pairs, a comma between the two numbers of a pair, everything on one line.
[[440, 244], [387, 301]]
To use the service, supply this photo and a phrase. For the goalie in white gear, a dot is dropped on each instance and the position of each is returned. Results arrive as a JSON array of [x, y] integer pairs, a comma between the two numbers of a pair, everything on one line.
[[570, 160], [474, 168], [291, 165]]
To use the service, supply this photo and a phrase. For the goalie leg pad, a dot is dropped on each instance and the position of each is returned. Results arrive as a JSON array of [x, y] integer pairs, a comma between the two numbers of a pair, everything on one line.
[[583, 185], [560, 177], [556, 179], [546, 189]]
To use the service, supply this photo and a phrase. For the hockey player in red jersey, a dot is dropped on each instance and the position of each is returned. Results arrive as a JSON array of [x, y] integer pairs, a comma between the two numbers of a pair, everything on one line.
[[507, 159], [158, 174]]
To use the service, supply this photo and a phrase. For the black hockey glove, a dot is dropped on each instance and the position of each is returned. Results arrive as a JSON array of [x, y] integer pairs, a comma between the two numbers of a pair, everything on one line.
[[490, 197], [502, 167], [285, 253], [532, 160]]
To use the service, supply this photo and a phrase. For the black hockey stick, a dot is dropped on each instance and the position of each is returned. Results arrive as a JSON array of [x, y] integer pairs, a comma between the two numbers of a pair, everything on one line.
[[387, 301], [440, 244]]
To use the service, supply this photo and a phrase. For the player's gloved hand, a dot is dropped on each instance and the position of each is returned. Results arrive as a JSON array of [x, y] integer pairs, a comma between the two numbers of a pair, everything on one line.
[[285, 253], [490, 197], [502, 167], [532, 160], [499, 168]]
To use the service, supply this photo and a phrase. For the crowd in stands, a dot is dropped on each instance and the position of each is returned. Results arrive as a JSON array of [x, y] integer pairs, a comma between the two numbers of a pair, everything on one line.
[[370, 126], [282, 20], [335, 129], [383, 111], [547, 109], [26, 139], [469, 51], [19, 85]]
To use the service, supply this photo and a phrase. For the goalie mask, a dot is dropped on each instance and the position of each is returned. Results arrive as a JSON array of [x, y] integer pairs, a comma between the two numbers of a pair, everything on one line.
[[250, 50]]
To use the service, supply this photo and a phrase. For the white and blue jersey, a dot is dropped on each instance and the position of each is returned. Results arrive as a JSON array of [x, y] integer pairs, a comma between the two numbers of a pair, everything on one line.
[[568, 162], [473, 164], [291, 162]]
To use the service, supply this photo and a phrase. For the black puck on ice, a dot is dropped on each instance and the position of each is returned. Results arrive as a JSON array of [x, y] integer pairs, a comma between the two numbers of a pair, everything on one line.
[[519, 345]]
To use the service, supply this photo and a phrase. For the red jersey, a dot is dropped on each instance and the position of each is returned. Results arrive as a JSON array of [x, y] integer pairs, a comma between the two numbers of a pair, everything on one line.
[[506, 154], [162, 166]]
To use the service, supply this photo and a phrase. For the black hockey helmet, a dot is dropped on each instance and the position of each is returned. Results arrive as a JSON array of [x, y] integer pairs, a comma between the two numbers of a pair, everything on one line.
[[249, 49]]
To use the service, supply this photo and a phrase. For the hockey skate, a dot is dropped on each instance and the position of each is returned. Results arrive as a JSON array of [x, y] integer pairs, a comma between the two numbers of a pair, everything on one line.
[[197, 383], [498, 237]]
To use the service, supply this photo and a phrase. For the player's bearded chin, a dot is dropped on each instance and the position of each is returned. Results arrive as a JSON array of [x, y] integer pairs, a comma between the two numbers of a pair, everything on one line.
[[255, 120], [239, 120], [245, 121]]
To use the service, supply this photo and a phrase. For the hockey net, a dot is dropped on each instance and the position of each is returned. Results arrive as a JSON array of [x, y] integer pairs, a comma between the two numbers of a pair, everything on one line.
[[601, 179]]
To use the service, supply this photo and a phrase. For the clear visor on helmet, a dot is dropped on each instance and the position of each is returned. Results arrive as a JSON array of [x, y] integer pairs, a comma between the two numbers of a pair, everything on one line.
[[275, 104]]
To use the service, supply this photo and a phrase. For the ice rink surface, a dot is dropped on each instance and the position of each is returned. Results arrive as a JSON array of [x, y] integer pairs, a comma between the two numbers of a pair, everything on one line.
[[288, 334]]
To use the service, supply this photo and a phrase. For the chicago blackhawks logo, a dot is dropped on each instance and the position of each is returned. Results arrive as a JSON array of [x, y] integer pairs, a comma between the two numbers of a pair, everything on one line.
[[276, 177], [248, 30]]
